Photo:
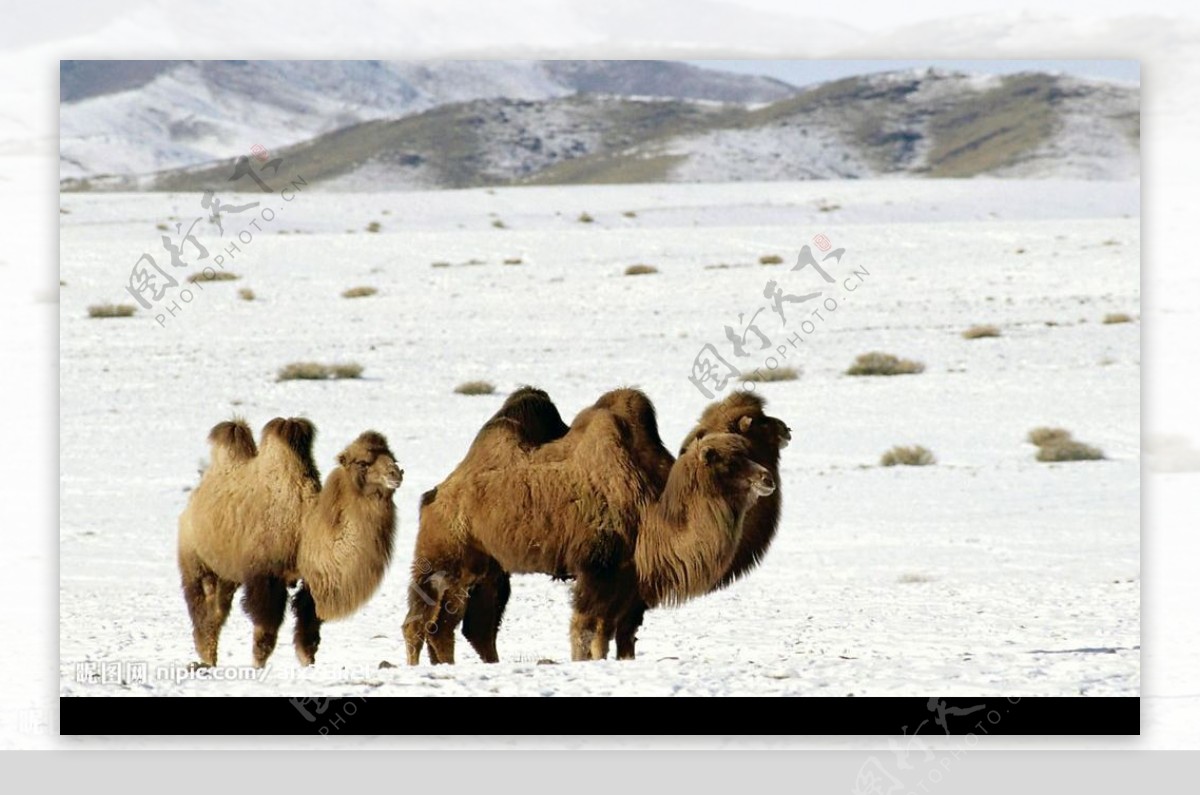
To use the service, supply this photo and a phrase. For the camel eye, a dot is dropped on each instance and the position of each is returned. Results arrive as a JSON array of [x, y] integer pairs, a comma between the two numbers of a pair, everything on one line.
[[711, 455]]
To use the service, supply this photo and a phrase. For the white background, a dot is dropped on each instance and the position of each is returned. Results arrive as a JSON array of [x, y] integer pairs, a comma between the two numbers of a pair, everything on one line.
[[1163, 36]]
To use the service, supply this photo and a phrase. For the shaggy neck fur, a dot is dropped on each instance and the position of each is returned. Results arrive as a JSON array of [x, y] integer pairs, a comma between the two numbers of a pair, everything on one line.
[[346, 544], [688, 538]]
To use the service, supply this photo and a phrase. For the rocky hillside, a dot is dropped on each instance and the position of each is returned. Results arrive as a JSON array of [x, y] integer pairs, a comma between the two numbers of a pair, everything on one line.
[[923, 124]]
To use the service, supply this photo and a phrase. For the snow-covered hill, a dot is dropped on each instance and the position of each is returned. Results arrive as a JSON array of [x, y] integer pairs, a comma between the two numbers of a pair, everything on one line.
[[466, 124], [121, 117]]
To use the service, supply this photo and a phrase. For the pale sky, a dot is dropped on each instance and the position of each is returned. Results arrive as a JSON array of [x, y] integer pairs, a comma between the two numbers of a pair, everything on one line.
[[801, 73]]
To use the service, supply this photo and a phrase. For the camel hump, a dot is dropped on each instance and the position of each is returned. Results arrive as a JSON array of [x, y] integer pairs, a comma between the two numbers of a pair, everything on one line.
[[631, 405], [534, 414], [234, 440], [295, 432]]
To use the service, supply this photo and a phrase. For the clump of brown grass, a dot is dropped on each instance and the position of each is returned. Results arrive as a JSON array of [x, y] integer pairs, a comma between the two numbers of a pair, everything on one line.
[[1056, 444], [374, 226], [884, 364], [1117, 317], [640, 270], [915, 456], [977, 332], [314, 371], [111, 310], [514, 261], [629, 214], [585, 218], [359, 292], [778, 374], [770, 259], [1069, 450], [475, 388], [499, 224], [246, 294], [1044, 435], [210, 275]]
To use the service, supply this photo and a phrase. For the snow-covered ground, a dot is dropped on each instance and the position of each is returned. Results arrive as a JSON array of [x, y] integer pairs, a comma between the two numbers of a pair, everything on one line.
[[988, 573]]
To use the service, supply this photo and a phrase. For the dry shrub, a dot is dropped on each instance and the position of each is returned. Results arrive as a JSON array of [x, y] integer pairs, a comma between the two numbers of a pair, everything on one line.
[[441, 264], [246, 294], [977, 332], [1068, 450], [359, 292], [314, 371], [1117, 317], [374, 226], [770, 259], [514, 261], [1044, 435], [475, 388], [1056, 444], [640, 270], [915, 456], [884, 364], [585, 218], [111, 310], [778, 374], [210, 275]]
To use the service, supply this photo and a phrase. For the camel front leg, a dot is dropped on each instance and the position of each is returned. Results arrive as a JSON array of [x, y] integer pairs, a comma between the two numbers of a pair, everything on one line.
[[627, 625], [307, 635], [265, 601]]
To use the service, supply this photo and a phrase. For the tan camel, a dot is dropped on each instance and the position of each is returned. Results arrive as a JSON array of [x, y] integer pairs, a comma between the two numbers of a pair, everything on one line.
[[260, 519]]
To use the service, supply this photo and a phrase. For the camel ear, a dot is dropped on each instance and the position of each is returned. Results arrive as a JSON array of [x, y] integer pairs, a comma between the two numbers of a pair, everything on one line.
[[744, 423], [341, 459]]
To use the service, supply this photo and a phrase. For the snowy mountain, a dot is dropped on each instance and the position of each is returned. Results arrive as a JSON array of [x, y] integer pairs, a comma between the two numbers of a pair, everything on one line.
[[135, 117], [361, 126]]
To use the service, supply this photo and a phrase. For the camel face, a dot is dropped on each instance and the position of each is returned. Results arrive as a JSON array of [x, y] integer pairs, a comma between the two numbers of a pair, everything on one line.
[[371, 465], [727, 457]]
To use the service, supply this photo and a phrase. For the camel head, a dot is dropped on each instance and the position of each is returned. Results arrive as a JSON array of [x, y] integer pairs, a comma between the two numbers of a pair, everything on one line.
[[742, 413], [371, 465], [727, 460]]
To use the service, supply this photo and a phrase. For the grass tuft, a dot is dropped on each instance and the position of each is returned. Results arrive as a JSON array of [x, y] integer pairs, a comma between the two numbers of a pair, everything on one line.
[[766, 376], [359, 292], [978, 332], [884, 364], [210, 275], [475, 388], [915, 456], [640, 270], [314, 371], [111, 310]]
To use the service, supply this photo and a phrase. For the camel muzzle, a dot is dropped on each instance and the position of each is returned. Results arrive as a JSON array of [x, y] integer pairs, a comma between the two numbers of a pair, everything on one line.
[[763, 485]]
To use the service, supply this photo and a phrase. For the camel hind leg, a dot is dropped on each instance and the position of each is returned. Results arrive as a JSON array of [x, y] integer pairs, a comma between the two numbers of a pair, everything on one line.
[[484, 612], [307, 635], [208, 600], [265, 601]]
